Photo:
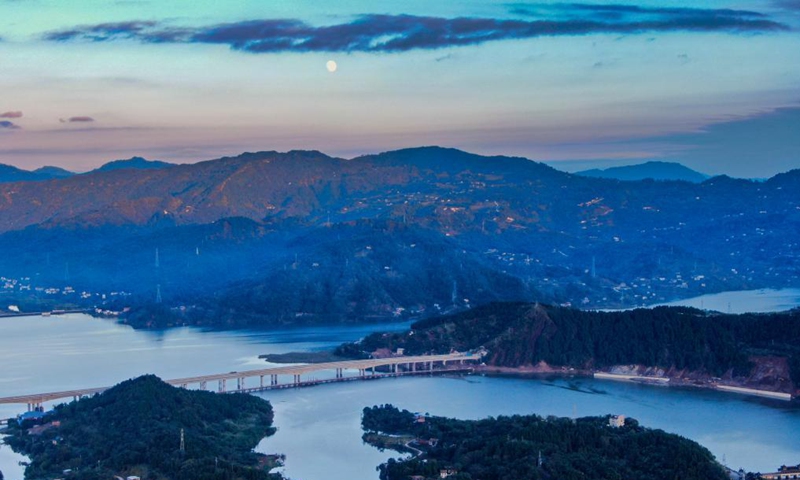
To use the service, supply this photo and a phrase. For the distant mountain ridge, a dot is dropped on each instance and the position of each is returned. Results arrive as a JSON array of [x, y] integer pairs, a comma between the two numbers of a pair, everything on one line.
[[137, 163], [9, 173], [648, 170]]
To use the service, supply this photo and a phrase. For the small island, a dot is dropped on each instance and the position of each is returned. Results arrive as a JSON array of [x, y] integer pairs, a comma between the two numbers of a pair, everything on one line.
[[531, 447], [148, 429]]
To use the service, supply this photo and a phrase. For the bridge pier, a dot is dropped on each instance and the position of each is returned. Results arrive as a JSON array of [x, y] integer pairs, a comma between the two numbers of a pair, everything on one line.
[[203, 385], [296, 378], [394, 368], [184, 385], [339, 373], [261, 381], [273, 380], [221, 386]]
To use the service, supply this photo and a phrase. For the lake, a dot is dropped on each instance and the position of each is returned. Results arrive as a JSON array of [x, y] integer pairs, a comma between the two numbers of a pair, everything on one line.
[[744, 301], [319, 427]]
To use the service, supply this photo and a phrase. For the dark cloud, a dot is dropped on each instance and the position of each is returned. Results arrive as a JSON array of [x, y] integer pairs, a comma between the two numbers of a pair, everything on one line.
[[11, 115], [103, 31], [751, 147], [399, 33], [77, 120], [6, 125]]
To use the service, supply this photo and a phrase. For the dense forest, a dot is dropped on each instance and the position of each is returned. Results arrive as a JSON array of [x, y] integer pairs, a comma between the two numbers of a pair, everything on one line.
[[532, 447], [135, 429], [519, 334]]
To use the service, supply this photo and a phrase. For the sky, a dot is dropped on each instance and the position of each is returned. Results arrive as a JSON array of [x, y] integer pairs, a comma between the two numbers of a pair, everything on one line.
[[712, 84]]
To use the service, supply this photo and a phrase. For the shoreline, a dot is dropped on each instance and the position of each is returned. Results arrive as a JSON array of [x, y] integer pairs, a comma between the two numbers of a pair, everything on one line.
[[541, 370]]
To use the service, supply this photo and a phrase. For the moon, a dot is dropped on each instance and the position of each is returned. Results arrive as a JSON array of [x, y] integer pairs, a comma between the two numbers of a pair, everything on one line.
[[331, 66]]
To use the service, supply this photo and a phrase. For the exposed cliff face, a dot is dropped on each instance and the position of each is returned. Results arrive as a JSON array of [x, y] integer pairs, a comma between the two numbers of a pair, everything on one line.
[[768, 373]]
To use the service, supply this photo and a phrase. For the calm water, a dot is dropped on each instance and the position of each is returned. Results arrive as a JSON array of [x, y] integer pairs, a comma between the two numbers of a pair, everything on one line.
[[319, 426], [745, 301]]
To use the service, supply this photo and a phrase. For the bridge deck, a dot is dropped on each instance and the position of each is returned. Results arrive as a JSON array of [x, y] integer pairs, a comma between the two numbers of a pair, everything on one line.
[[287, 370]]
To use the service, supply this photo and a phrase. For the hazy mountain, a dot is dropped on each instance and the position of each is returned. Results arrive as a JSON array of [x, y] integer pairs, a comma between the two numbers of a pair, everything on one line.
[[651, 170], [53, 172], [10, 173], [250, 230], [137, 163]]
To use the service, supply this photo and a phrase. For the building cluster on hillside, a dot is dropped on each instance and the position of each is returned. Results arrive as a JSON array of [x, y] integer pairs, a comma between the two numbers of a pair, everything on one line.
[[784, 473], [24, 285]]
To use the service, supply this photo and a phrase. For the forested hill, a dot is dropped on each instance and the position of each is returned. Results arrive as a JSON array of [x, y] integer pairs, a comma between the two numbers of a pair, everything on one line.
[[135, 429], [532, 448], [524, 334]]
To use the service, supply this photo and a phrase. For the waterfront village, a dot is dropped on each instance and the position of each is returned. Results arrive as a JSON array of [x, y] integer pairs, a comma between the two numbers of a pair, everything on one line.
[[14, 288]]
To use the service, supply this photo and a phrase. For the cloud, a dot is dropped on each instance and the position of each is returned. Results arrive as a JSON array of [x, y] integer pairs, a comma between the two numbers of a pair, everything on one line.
[[787, 4], [103, 31], [76, 120], [11, 115], [400, 33], [622, 11], [754, 146], [6, 125]]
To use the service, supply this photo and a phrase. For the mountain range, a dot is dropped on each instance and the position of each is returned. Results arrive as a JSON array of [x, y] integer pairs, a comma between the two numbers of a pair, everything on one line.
[[10, 173], [300, 236]]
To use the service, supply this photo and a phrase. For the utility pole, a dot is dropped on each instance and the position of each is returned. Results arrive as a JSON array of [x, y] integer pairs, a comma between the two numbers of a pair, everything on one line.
[[183, 444], [158, 293], [158, 262]]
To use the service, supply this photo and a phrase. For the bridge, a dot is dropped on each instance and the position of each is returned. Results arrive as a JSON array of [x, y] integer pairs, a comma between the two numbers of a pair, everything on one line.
[[367, 369]]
